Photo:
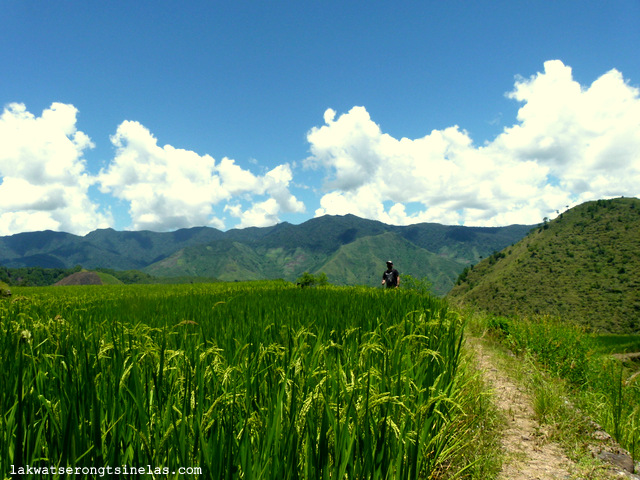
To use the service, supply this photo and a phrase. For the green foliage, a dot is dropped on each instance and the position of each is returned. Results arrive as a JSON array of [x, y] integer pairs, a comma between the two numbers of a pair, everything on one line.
[[616, 343], [4, 290], [462, 278], [309, 280], [607, 388], [128, 277], [136, 277], [42, 277], [499, 326], [419, 285], [35, 276], [561, 348]]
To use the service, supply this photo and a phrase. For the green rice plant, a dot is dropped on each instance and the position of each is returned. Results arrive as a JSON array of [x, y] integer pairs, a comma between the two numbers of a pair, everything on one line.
[[258, 380], [632, 439], [548, 398]]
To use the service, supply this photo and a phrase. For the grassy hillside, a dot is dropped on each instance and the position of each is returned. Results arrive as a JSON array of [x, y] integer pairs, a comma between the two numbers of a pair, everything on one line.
[[230, 261], [583, 266], [108, 279]]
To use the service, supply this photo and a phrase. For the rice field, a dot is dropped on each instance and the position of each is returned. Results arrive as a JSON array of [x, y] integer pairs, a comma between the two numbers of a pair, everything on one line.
[[616, 344], [235, 381]]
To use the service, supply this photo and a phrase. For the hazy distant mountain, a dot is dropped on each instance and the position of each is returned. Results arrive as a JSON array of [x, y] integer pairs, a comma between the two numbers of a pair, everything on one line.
[[350, 250], [105, 248], [583, 266]]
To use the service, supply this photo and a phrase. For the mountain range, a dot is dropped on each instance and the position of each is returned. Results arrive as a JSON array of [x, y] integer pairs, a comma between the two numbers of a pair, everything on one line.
[[583, 266], [348, 249]]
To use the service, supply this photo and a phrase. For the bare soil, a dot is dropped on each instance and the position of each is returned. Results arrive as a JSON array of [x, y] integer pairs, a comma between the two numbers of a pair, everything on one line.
[[81, 278]]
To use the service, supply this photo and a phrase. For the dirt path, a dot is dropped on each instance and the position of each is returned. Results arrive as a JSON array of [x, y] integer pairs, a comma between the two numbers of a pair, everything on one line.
[[528, 454]]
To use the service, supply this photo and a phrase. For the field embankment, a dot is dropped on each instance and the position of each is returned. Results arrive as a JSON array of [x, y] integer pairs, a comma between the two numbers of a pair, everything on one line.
[[527, 453]]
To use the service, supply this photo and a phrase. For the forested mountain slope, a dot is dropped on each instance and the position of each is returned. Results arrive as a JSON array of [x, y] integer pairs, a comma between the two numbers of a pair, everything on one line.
[[352, 250]]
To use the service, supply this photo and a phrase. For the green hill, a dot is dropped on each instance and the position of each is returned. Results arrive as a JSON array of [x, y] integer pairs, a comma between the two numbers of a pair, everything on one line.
[[227, 261], [108, 279], [583, 266]]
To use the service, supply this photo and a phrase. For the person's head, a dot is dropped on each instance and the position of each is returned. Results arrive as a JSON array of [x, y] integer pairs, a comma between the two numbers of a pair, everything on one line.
[[389, 264]]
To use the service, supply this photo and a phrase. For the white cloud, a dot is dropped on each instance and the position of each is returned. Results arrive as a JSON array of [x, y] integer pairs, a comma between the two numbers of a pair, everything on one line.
[[588, 137], [169, 188], [274, 183], [44, 180], [571, 144], [262, 214]]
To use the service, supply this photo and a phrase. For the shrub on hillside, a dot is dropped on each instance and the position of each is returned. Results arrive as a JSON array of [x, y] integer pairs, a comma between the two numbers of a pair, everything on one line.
[[310, 280], [4, 290]]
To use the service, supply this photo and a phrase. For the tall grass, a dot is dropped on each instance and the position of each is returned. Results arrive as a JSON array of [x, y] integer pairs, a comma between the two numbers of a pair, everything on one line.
[[247, 381], [605, 388]]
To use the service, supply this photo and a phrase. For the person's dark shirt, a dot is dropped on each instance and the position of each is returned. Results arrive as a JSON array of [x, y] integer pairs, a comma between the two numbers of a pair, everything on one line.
[[390, 278]]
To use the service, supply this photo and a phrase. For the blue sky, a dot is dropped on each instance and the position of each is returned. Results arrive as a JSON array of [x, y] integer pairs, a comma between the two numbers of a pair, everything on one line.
[[163, 115]]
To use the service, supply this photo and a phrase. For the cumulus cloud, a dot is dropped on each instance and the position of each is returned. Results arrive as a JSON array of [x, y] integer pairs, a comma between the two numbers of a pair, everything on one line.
[[44, 180], [275, 183], [169, 188], [571, 144], [589, 138]]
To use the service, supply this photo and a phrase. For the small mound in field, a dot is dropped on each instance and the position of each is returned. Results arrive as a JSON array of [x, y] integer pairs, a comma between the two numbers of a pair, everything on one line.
[[80, 278]]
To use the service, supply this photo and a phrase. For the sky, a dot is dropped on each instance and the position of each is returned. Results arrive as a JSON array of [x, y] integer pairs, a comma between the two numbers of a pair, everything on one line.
[[165, 115]]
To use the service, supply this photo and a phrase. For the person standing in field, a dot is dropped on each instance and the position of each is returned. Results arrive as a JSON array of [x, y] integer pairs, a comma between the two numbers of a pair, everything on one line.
[[391, 277]]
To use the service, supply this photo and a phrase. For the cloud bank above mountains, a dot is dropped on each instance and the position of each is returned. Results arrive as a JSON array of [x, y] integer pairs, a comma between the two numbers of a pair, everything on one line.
[[169, 188], [570, 143]]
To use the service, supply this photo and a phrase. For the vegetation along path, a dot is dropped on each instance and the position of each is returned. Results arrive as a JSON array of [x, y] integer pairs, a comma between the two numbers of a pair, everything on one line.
[[529, 454]]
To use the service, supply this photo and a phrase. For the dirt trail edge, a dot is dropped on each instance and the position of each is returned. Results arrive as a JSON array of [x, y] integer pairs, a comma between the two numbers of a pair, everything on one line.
[[528, 454]]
